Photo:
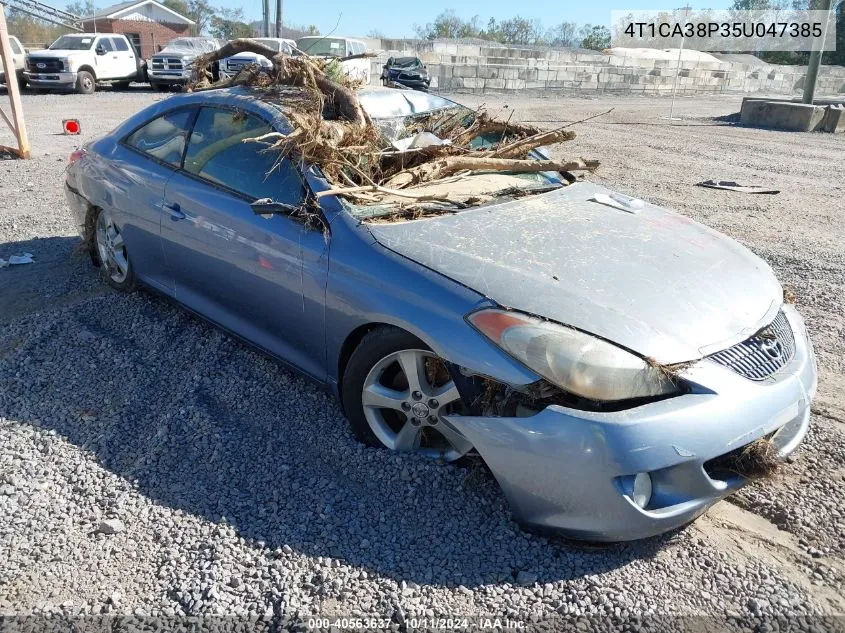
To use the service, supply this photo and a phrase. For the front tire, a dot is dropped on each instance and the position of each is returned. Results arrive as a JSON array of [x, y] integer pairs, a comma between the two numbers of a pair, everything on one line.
[[396, 393], [110, 252], [85, 84]]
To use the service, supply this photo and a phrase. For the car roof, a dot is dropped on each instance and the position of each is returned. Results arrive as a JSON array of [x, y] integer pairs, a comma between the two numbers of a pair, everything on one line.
[[383, 103]]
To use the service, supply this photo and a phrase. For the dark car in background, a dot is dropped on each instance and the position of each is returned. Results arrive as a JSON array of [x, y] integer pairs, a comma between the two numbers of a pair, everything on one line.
[[406, 71]]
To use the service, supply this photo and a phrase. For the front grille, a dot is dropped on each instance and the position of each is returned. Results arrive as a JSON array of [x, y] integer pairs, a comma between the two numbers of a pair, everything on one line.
[[760, 356], [45, 65], [167, 63], [235, 65]]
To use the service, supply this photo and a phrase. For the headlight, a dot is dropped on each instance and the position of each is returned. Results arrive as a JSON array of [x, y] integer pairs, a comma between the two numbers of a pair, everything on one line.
[[577, 362], [69, 63]]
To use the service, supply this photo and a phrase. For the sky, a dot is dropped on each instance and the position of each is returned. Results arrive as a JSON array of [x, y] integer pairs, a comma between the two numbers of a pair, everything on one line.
[[396, 18]]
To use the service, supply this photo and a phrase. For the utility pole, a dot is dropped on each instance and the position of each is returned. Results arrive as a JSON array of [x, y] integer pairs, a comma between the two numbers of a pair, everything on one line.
[[265, 15], [279, 18], [816, 54]]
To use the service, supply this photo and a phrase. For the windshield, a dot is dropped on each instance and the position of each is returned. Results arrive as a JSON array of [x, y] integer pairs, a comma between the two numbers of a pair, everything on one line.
[[410, 120], [194, 45], [406, 63], [72, 43], [322, 46], [276, 45]]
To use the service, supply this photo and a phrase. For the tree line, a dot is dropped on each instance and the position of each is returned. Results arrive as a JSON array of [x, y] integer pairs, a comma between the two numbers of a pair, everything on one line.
[[836, 57], [517, 31]]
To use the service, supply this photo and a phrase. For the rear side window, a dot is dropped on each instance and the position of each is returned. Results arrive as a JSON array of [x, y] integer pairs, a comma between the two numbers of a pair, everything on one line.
[[163, 138], [217, 153], [120, 44]]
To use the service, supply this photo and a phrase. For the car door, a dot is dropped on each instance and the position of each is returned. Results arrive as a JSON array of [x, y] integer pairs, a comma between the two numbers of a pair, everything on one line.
[[18, 55], [134, 173], [263, 278], [107, 61], [126, 64]]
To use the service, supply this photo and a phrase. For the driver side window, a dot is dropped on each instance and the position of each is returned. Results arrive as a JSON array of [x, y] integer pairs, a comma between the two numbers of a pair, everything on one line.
[[219, 152]]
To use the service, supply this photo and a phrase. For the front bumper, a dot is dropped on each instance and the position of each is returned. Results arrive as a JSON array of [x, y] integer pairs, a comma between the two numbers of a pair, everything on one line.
[[409, 82], [565, 470], [168, 79], [65, 79]]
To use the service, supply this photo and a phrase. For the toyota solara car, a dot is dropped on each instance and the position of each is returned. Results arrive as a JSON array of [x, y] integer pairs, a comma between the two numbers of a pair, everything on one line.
[[601, 354]]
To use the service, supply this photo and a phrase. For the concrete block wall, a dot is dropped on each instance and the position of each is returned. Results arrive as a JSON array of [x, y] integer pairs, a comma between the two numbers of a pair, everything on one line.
[[485, 67]]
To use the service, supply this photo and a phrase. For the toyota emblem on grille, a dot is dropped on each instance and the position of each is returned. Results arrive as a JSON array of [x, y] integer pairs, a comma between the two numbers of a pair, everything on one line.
[[41, 65], [772, 348]]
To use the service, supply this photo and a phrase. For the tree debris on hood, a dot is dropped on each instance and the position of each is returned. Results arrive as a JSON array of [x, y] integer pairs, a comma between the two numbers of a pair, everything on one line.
[[331, 129]]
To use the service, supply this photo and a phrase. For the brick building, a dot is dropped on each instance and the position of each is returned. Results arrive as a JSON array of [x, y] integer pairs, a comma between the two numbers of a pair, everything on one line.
[[148, 24]]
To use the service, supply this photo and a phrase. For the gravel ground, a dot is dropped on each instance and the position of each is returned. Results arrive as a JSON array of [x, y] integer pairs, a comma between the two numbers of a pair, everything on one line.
[[151, 465]]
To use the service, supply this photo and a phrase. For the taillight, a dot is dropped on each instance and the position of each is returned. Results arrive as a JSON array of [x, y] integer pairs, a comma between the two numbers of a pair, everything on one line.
[[75, 155]]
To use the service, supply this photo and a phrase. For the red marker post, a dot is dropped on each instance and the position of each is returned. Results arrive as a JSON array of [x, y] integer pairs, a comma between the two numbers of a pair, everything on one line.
[[71, 126]]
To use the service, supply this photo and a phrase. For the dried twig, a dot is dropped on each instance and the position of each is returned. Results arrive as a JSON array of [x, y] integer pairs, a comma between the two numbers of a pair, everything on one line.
[[419, 197], [434, 170]]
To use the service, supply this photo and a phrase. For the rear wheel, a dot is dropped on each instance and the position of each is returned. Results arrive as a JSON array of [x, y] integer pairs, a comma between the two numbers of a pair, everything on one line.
[[111, 253], [85, 83], [396, 393]]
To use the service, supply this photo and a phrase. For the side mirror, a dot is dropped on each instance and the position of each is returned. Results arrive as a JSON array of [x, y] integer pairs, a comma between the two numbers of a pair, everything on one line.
[[307, 213], [100, 50], [267, 207]]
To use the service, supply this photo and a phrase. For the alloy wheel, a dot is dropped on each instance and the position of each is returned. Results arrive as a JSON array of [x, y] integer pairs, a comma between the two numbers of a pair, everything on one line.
[[111, 249], [405, 398]]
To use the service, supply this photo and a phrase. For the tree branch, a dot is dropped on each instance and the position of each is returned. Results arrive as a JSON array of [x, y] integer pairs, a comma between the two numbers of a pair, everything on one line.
[[435, 169]]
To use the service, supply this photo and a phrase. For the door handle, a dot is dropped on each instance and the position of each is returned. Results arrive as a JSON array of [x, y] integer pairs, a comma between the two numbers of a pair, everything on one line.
[[174, 210]]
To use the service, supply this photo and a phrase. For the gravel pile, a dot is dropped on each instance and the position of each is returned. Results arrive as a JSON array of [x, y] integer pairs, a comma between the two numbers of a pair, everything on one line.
[[151, 465]]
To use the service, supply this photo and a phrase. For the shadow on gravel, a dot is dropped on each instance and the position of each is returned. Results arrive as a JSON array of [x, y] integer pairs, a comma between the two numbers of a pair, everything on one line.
[[733, 118], [202, 424], [60, 274]]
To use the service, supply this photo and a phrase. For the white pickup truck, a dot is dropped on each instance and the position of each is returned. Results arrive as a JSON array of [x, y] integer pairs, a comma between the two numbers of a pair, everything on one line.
[[231, 66], [328, 47], [80, 60], [174, 64], [18, 61]]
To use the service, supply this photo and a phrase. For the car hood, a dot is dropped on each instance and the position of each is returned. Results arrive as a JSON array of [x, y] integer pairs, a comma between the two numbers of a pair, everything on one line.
[[179, 53], [653, 281], [246, 55], [58, 54]]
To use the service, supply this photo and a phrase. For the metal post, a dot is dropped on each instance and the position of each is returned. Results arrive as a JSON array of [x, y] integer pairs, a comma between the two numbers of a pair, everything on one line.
[[816, 56], [278, 18], [677, 70], [265, 6], [16, 124]]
